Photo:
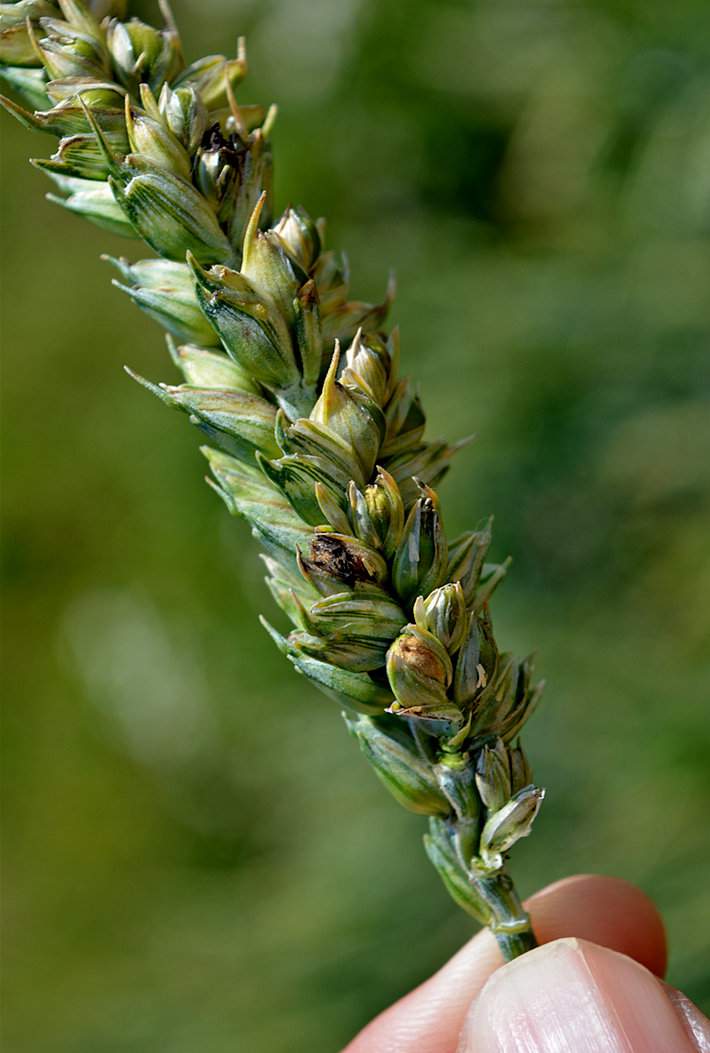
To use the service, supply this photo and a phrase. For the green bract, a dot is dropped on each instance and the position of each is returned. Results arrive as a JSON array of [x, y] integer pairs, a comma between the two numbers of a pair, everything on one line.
[[314, 437]]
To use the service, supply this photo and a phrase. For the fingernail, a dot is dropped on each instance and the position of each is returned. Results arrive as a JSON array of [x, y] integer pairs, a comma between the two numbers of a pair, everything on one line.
[[695, 1022], [573, 997]]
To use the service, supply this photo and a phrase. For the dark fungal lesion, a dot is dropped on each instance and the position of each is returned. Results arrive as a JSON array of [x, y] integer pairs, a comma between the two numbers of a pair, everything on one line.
[[332, 556], [229, 149]]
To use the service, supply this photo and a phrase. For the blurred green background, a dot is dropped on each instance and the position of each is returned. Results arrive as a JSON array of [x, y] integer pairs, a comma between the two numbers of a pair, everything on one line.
[[196, 856]]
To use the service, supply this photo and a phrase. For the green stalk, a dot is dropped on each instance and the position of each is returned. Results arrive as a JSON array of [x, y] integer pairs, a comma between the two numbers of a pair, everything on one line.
[[510, 922]]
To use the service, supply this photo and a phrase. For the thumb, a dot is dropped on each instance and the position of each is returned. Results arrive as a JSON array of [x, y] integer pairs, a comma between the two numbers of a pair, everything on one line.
[[571, 996]]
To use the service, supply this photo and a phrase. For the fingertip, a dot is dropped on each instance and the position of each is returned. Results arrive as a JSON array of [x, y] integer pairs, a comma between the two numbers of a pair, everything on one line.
[[571, 994], [604, 910], [601, 910]]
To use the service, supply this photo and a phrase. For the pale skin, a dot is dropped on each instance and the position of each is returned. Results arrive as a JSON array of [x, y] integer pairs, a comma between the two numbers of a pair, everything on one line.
[[593, 986]]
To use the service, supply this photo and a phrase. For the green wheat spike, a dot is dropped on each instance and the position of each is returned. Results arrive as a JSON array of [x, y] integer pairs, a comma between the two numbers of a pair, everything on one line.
[[312, 435]]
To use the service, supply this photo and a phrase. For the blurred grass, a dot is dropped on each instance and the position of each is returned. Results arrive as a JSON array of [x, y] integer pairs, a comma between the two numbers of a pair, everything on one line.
[[194, 853]]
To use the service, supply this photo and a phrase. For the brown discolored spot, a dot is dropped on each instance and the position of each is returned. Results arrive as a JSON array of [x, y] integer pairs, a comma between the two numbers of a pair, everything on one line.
[[338, 559], [416, 653], [308, 293]]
